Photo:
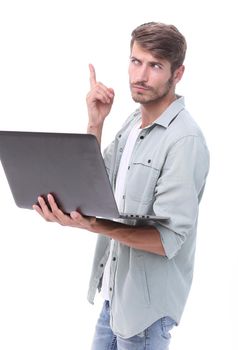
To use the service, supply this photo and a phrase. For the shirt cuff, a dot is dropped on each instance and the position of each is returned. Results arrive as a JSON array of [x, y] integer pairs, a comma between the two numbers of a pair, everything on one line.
[[171, 240]]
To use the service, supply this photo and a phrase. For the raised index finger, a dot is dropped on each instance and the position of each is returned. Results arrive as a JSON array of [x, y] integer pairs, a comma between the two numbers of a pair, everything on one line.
[[92, 78]]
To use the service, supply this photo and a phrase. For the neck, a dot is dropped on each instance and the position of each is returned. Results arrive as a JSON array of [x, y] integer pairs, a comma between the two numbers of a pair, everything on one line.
[[153, 110]]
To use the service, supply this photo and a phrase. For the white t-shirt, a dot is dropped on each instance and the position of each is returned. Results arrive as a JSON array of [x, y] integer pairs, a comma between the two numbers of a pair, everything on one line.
[[119, 191]]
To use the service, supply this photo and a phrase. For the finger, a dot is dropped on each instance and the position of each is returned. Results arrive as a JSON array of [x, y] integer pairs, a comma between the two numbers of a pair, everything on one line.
[[92, 79], [38, 209], [80, 221], [75, 215], [102, 93], [56, 211], [44, 210], [109, 92]]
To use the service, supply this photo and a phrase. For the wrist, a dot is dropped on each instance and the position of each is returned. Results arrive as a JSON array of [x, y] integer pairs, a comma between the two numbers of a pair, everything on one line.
[[97, 225], [94, 127]]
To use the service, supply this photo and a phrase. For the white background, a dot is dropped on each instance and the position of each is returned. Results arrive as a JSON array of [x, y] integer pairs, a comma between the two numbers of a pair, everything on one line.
[[45, 48]]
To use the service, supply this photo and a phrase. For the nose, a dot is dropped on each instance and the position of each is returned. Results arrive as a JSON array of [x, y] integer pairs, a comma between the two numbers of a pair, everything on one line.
[[142, 73]]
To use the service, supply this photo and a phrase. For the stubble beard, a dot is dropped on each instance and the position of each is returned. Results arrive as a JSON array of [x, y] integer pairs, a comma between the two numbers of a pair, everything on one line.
[[152, 95]]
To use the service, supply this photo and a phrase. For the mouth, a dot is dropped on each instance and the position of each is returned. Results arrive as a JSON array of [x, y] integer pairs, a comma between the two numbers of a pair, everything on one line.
[[139, 87]]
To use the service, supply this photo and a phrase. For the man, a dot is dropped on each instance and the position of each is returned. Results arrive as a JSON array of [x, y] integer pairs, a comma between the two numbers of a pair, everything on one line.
[[157, 164]]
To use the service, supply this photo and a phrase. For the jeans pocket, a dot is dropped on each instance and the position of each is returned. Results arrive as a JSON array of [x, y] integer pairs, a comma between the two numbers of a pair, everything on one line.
[[167, 323]]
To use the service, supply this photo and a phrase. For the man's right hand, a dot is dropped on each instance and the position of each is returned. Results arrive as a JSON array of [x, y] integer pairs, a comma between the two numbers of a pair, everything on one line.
[[99, 101]]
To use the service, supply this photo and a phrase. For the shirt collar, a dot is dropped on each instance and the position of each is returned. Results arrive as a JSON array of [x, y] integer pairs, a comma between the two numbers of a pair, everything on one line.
[[171, 112], [168, 115]]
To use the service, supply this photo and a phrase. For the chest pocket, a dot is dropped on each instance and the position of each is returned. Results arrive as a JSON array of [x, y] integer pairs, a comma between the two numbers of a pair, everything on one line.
[[141, 181]]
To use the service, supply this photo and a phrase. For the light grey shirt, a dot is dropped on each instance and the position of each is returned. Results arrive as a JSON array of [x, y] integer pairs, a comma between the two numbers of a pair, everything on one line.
[[166, 176]]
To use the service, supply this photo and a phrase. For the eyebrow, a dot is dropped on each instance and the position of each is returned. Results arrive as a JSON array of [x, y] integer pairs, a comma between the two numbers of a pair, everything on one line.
[[150, 62], [157, 62]]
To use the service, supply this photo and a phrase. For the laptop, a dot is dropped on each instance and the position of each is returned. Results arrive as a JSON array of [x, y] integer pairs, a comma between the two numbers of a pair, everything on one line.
[[70, 166]]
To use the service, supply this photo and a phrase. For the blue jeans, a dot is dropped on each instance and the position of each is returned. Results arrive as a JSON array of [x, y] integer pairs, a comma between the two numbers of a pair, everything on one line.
[[155, 337]]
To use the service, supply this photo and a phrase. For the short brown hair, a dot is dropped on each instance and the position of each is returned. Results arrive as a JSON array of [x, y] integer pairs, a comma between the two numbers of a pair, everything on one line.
[[162, 40]]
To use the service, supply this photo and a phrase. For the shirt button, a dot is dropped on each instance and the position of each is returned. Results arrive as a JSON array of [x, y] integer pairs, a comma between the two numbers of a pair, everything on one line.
[[101, 265], [110, 289], [128, 167], [114, 258], [121, 149], [141, 137], [119, 136]]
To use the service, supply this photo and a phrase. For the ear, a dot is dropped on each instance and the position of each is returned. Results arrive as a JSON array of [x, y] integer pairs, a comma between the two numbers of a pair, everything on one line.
[[178, 74]]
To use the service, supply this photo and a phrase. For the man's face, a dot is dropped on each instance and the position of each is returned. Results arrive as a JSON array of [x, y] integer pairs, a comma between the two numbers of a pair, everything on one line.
[[150, 78]]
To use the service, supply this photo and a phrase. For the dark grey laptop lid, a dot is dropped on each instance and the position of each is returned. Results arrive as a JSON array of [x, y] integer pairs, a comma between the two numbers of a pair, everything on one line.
[[66, 165]]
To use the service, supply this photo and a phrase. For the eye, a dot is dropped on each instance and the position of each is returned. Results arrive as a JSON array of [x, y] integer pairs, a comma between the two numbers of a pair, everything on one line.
[[156, 66], [134, 61]]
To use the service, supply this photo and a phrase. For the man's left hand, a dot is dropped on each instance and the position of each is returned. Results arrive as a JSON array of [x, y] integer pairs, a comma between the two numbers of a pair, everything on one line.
[[55, 214]]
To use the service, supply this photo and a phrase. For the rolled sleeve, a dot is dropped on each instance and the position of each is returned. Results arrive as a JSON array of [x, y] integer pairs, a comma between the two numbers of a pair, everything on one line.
[[179, 190], [171, 241], [108, 156]]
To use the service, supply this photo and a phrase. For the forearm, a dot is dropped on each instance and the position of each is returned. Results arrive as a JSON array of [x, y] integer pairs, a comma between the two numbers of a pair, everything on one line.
[[99, 102], [96, 131], [145, 238]]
